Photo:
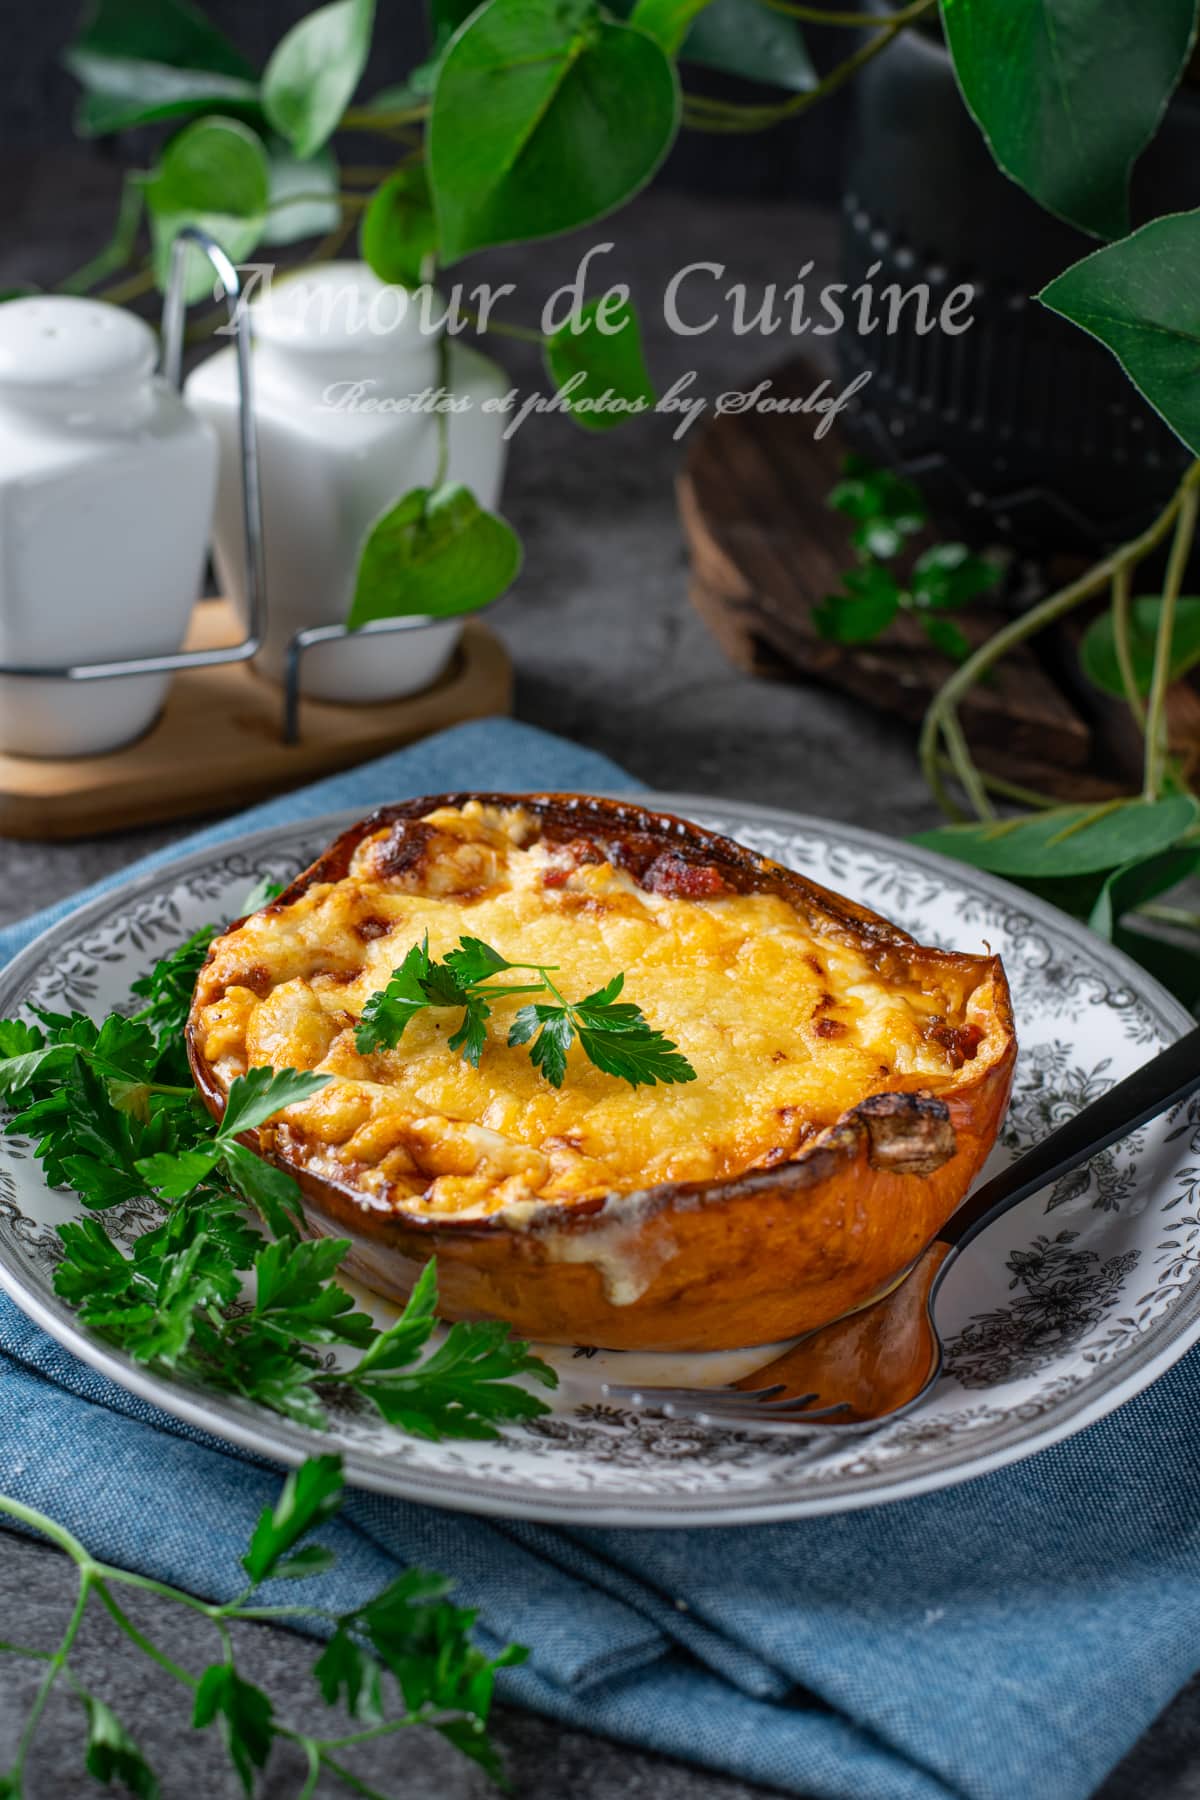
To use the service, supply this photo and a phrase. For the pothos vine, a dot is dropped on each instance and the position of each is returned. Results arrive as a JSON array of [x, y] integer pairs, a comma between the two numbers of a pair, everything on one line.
[[942, 732]]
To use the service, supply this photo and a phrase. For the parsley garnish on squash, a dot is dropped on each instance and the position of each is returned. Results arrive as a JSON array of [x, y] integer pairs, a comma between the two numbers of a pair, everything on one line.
[[613, 1034]]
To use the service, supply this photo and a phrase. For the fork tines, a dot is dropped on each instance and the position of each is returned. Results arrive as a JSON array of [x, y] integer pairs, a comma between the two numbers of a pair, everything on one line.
[[769, 1407]]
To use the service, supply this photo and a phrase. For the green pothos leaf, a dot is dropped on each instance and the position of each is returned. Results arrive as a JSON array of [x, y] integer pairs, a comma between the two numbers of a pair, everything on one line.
[[1069, 92], [1174, 964], [596, 359], [590, 107], [214, 174], [1098, 650], [1141, 297], [144, 60], [314, 71], [667, 21], [398, 234], [1136, 882], [302, 197], [437, 552], [1069, 840]]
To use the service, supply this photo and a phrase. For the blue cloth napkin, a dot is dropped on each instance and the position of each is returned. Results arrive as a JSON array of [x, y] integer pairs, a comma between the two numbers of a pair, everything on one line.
[[1008, 1639]]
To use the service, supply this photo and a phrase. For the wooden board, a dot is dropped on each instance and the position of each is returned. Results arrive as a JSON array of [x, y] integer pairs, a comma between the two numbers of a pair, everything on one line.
[[217, 743], [766, 548]]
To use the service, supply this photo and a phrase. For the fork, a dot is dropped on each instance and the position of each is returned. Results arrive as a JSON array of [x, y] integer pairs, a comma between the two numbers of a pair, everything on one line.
[[880, 1361]]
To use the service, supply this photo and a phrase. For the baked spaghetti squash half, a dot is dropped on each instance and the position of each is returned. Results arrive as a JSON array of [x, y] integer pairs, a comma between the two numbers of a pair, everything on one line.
[[849, 1082]]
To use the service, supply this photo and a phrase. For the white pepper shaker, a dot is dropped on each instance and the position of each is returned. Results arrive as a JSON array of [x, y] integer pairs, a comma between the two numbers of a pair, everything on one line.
[[106, 496], [340, 363]]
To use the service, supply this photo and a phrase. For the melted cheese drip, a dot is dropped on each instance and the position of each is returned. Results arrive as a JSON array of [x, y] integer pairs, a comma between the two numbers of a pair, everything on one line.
[[785, 1023]]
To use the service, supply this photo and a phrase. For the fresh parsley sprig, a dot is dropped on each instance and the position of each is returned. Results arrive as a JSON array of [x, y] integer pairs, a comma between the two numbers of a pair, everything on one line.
[[403, 1657], [253, 1099], [108, 1118], [887, 511], [172, 1303], [613, 1034]]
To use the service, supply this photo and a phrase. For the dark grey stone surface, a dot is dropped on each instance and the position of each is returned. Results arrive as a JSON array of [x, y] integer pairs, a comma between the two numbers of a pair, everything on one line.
[[609, 652]]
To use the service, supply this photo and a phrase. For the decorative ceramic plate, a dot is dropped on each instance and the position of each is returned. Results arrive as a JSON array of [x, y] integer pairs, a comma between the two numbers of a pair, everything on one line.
[[1067, 1307]]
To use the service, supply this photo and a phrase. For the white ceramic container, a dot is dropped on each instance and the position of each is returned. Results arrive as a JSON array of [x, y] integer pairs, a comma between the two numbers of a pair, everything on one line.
[[106, 495], [341, 363]]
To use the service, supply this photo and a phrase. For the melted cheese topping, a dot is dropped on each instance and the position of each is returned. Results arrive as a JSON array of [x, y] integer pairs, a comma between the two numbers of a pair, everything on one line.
[[787, 1022]]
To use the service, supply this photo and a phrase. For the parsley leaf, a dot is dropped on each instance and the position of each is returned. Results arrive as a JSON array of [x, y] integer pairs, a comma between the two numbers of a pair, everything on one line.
[[243, 1714], [169, 986], [549, 1027], [471, 1035], [555, 1034], [112, 1755], [388, 1013], [295, 1295], [259, 1094], [474, 961], [253, 1099], [201, 1293], [459, 1390], [261, 894], [614, 1035], [402, 1656], [272, 1192], [345, 1671], [176, 1173], [311, 1494], [17, 1037]]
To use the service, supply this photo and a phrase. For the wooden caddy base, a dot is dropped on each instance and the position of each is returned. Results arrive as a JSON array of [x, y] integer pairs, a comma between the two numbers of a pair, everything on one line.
[[218, 744]]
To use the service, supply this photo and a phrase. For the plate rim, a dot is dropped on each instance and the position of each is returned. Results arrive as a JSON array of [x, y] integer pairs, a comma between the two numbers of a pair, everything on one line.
[[279, 1439]]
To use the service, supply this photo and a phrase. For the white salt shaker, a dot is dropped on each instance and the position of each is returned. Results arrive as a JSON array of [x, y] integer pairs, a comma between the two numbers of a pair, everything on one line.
[[340, 364], [106, 496]]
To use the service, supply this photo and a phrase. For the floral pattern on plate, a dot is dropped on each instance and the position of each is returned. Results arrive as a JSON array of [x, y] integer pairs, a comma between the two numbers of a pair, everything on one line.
[[1068, 1306]]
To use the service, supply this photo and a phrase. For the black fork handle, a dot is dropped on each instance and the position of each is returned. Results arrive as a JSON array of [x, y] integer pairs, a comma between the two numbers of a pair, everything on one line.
[[1159, 1084]]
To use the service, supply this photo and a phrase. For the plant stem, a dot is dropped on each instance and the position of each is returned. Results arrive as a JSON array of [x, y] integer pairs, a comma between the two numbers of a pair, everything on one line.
[[941, 719], [1010, 790], [706, 114], [964, 767], [147, 1585], [121, 1618], [117, 252], [1171, 915], [1156, 707], [369, 1732], [351, 1780], [442, 468], [316, 198], [49, 1528], [817, 15], [332, 242], [283, 1612], [313, 1758], [132, 288], [53, 1671], [361, 118], [1120, 618]]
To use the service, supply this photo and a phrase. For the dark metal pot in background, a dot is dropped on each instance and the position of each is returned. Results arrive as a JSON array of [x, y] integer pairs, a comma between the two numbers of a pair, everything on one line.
[[1023, 429]]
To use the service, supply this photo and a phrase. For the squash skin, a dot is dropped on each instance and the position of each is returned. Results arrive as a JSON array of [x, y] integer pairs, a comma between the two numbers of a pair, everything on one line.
[[688, 1266]]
